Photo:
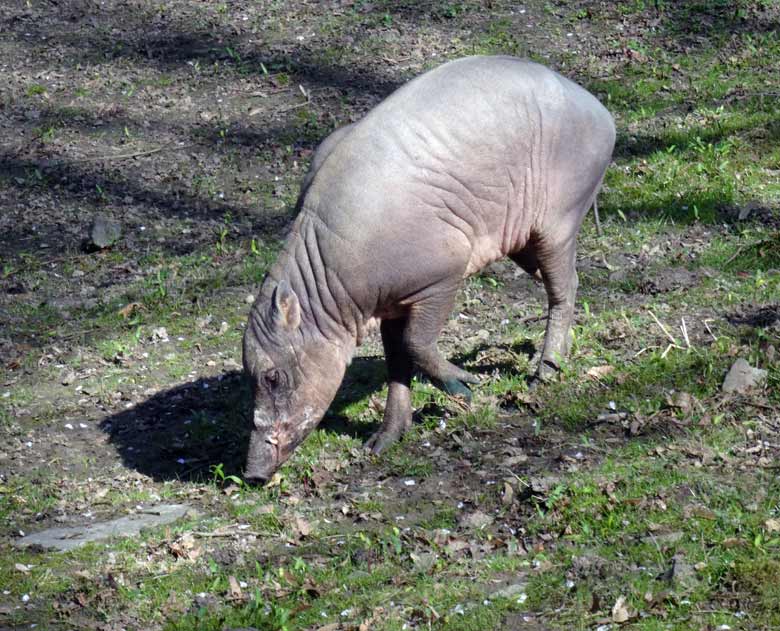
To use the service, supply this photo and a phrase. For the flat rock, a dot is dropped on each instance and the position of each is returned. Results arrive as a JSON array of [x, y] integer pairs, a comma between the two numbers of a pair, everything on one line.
[[743, 377], [68, 538]]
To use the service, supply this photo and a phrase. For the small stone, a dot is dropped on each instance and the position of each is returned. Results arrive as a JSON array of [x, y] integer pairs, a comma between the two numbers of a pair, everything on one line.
[[160, 334], [249, 299], [68, 378], [104, 232], [742, 377], [513, 590], [477, 520]]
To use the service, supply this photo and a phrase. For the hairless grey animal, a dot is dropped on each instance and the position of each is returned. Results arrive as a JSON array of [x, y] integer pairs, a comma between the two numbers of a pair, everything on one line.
[[480, 158]]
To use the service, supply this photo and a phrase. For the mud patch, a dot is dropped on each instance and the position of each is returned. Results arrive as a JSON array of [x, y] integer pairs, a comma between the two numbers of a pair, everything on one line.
[[666, 280]]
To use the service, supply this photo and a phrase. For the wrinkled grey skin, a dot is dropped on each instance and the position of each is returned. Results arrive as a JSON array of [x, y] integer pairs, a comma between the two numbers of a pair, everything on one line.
[[478, 159]]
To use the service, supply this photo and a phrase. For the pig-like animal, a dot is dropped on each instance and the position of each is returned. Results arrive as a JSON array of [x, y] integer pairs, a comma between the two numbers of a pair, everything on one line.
[[480, 158]]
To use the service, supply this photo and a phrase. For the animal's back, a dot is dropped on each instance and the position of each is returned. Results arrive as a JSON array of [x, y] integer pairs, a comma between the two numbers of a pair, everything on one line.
[[458, 168]]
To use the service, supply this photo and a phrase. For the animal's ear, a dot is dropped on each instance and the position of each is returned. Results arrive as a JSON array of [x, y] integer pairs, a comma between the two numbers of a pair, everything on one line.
[[286, 309]]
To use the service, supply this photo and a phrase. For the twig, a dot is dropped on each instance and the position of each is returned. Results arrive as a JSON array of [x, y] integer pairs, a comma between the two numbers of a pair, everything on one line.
[[685, 333], [289, 108], [668, 348], [664, 329], [760, 406], [212, 535], [643, 350], [707, 326], [128, 156], [596, 216], [533, 318]]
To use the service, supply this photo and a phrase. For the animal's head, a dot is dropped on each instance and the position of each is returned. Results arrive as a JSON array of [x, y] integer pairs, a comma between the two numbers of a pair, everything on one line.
[[295, 374]]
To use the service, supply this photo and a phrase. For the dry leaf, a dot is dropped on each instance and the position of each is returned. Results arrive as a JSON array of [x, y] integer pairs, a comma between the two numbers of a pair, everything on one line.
[[508, 495], [680, 400], [302, 527], [128, 309], [620, 612], [185, 547], [597, 372], [772, 525], [235, 588], [275, 480]]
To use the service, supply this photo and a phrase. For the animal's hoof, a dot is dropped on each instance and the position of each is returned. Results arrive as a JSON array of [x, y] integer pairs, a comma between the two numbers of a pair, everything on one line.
[[544, 374], [467, 377], [380, 441], [455, 388]]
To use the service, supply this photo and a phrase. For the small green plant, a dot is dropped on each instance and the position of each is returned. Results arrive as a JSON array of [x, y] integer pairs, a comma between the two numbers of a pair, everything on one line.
[[219, 475], [161, 285], [36, 89]]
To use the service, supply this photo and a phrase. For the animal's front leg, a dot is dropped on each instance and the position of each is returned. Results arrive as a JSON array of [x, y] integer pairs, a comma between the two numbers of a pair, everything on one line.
[[398, 409]]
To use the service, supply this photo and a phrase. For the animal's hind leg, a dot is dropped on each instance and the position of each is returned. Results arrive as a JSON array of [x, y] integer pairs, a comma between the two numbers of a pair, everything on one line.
[[398, 409], [557, 266], [425, 321]]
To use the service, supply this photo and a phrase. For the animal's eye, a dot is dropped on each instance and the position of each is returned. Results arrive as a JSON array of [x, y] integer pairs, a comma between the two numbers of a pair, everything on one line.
[[273, 378]]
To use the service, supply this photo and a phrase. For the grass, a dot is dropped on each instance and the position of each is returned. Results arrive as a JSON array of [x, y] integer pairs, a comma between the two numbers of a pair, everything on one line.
[[697, 147]]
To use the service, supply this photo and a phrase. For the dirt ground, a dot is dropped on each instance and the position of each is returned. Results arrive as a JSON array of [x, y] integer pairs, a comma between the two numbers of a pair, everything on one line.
[[191, 123]]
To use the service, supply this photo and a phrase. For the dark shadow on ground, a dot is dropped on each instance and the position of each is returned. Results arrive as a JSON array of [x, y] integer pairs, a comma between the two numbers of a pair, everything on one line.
[[713, 207], [692, 25], [176, 40], [185, 431], [756, 317], [637, 145]]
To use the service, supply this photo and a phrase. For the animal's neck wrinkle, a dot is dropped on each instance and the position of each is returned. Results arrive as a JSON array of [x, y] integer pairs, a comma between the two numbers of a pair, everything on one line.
[[296, 266]]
